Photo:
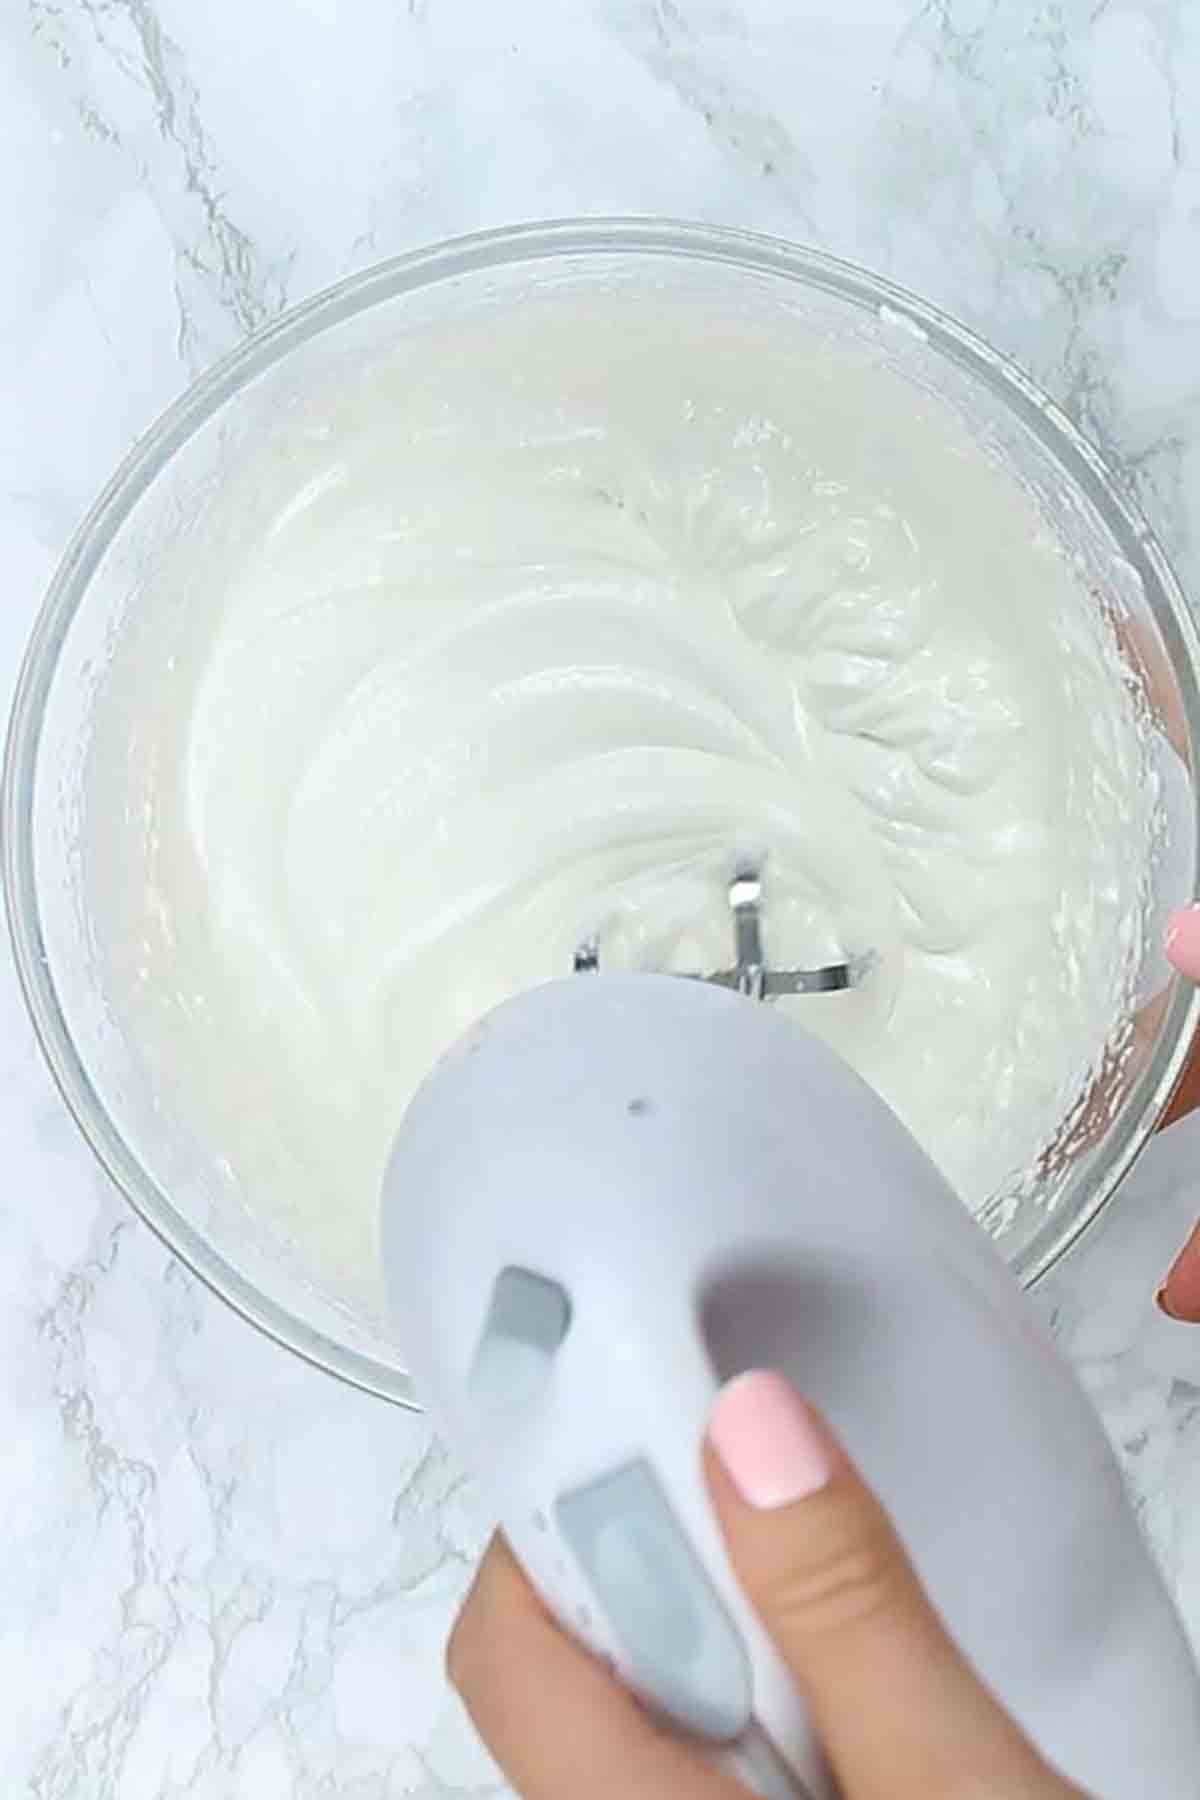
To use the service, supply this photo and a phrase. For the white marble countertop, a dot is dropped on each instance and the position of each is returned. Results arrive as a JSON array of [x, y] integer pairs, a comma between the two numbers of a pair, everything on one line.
[[222, 1575]]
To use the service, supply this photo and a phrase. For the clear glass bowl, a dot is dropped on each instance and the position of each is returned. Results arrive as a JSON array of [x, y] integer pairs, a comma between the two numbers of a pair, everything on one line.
[[179, 1185]]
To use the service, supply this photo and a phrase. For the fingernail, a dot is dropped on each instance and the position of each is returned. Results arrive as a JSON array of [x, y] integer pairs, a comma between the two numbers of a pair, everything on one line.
[[772, 1446], [1162, 1301], [1179, 1295], [1183, 940]]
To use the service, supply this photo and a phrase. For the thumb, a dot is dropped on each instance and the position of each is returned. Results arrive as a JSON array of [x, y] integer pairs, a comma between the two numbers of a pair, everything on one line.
[[901, 1714]]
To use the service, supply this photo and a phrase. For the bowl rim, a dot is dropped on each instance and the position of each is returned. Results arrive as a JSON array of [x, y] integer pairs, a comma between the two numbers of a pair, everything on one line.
[[508, 247]]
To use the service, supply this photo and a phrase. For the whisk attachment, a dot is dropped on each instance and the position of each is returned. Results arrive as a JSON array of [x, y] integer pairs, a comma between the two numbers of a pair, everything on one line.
[[751, 974], [587, 957]]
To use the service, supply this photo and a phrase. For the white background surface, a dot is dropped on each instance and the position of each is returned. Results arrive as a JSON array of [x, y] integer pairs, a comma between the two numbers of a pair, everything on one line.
[[220, 1574]]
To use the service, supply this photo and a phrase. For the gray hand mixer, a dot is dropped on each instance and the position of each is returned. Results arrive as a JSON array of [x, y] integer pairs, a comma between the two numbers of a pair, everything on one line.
[[618, 1191]]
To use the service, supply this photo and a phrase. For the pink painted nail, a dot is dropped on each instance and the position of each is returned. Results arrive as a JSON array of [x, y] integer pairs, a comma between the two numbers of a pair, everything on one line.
[[1183, 941], [773, 1447]]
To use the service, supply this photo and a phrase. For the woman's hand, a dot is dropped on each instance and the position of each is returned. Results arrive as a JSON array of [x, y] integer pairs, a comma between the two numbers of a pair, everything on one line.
[[1180, 1293], [901, 1714]]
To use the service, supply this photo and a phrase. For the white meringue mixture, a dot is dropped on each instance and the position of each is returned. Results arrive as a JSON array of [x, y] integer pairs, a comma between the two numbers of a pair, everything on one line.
[[491, 652]]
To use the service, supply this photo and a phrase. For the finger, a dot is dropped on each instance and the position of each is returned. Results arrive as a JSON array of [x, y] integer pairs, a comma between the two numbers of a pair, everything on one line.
[[560, 1726], [901, 1714], [1183, 941], [1179, 1295], [1186, 1097]]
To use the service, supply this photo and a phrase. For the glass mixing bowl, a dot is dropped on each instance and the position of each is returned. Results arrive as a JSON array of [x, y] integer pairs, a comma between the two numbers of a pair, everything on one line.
[[181, 1186]]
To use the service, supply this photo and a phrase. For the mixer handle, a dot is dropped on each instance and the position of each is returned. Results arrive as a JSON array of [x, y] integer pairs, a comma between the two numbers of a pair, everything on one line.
[[622, 1541]]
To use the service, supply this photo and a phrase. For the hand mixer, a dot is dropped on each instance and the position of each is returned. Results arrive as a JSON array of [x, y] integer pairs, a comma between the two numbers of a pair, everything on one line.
[[618, 1191]]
